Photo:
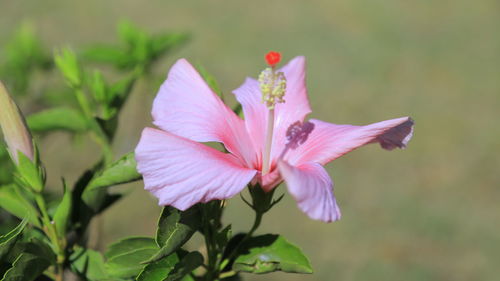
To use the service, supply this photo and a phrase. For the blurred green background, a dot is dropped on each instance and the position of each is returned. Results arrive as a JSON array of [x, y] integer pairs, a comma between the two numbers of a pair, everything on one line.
[[430, 212]]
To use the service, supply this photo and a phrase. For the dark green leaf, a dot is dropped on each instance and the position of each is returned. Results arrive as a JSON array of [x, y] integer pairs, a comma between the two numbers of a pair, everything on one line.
[[61, 118], [222, 237], [8, 240], [95, 199], [26, 267], [238, 109], [83, 212], [124, 258], [12, 201], [63, 212], [268, 253], [174, 229], [35, 257], [91, 202], [88, 264], [188, 263], [159, 270], [122, 171]]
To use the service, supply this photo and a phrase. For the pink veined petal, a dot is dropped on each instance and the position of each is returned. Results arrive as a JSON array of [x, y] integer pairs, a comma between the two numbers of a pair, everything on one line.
[[312, 188], [270, 180], [249, 96], [295, 108], [186, 106], [181, 172], [329, 141]]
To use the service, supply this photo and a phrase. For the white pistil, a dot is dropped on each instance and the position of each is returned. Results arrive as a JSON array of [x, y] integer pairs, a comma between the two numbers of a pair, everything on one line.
[[269, 140], [273, 87]]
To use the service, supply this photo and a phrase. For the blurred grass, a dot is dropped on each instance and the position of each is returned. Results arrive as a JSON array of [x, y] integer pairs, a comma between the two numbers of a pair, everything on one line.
[[430, 212]]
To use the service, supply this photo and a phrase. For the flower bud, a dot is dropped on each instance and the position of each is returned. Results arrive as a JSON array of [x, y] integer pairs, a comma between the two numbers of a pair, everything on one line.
[[15, 132]]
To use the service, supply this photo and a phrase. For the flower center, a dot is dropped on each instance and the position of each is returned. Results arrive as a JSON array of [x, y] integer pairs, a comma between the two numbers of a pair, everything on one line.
[[273, 88]]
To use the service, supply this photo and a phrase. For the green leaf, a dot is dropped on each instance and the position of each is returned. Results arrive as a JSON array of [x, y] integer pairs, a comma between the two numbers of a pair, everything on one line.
[[122, 171], [29, 173], [6, 166], [83, 212], [125, 257], [22, 55], [26, 267], [12, 201], [120, 90], [91, 202], [137, 42], [238, 110], [268, 253], [160, 44], [35, 257], [3, 152], [63, 212], [99, 87], [62, 118], [174, 229], [188, 263], [68, 64], [129, 32], [222, 237], [8, 240], [108, 54], [210, 79], [159, 270], [88, 264]]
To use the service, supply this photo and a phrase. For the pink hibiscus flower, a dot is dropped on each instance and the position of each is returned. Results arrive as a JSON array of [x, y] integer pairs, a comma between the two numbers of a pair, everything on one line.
[[272, 143]]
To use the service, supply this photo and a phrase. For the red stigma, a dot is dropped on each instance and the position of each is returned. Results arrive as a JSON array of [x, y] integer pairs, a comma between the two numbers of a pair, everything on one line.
[[273, 58]]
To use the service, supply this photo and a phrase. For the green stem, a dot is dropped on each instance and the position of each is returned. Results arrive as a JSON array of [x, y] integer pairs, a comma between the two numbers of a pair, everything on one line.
[[227, 274], [83, 102], [101, 139], [50, 230], [98, 134], [208, 230], [256, 224]]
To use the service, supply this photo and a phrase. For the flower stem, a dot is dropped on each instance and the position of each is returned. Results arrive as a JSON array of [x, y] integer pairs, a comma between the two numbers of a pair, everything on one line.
[[50, 231], [269, 140], [256, 224], [227, 274], [211, 215]]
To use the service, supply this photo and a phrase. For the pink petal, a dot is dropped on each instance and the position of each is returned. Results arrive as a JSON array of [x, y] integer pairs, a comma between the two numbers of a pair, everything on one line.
[[329, 141], [186, 106], [249, 96], [181, 172], [295, 108], [268, 181], [312, 188]]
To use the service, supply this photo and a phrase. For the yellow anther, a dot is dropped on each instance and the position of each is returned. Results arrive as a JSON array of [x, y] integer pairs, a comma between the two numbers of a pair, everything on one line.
[[272, 86]]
